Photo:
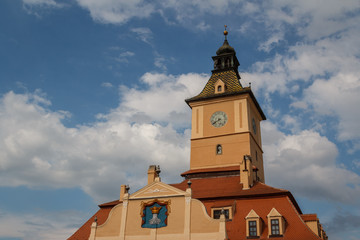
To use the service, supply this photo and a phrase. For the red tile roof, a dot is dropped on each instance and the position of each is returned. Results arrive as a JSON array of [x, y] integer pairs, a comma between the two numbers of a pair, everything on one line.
[[83, 233], [110, 204], [227, 191], [216, 169], [230, 186], [295, 228], [309, 217]]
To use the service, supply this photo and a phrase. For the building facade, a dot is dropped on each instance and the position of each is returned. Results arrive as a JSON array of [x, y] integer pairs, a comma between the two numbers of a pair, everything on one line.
[[223, 194]]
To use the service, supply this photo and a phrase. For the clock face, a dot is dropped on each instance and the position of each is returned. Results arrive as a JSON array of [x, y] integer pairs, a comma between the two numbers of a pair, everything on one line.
[[218, 119]]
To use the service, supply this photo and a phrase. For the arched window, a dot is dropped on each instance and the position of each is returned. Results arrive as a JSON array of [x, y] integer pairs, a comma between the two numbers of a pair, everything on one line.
[[218, 64], [219, 88], [218, 149], [227, 62]]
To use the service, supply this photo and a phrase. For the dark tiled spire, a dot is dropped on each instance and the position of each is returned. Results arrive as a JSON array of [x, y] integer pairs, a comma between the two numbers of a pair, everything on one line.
[[226, 69], [225, 48], [225, 58]]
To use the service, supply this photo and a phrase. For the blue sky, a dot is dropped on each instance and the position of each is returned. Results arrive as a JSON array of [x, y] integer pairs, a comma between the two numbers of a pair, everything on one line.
[[92, 93]]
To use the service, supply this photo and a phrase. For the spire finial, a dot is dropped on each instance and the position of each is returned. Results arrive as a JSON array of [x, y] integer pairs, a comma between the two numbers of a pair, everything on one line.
[[225, 32]]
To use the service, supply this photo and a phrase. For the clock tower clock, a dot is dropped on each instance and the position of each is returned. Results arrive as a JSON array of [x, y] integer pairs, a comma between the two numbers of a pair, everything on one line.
[[226, 116]]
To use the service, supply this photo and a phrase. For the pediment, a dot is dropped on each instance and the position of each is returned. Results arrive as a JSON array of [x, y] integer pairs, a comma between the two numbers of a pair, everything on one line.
[[157, 189], [252, 214], [274, 213]]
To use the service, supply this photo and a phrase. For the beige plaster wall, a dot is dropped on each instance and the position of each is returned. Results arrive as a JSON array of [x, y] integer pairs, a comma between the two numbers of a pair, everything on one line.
[[201, 222], [201, 225], [258, 162], [236, 136], [197, 119], [313, 225], [209, 110], [253, 113], [111, 227], [203, 151]]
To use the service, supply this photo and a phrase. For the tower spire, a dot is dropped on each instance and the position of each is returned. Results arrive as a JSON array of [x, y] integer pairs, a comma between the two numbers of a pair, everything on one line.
[[225, 32]]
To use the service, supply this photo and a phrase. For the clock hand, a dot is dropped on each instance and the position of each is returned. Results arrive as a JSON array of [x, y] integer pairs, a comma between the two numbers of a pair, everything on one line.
[[216, 121]]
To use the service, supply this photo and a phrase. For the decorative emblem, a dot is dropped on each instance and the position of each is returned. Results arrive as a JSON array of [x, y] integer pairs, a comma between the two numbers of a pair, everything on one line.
[[156, 190], [154, 214]]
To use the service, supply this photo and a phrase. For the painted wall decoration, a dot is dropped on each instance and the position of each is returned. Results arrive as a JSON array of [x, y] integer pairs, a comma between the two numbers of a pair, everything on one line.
[[154, 214]]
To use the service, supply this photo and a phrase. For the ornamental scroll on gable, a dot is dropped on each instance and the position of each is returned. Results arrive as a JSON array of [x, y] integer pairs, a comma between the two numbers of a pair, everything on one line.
[[154, 213]]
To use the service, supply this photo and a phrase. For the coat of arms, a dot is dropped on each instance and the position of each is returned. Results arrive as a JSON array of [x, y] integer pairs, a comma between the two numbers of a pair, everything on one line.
[[154, 213]]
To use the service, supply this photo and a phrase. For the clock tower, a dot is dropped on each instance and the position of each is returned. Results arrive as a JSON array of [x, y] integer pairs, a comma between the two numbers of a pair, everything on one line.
[[226, 134]]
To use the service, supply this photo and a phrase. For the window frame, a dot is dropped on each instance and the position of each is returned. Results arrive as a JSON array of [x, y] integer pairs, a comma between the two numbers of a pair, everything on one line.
[[227, 208], [249, 219], [276, 224], [253, 232], [275, 227], [219, 83]]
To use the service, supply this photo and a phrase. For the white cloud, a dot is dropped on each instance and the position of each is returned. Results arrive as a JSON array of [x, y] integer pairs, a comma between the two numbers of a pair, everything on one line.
[[144, 34], [107, 85], [313, 20], [163, 100], [338, 96], [40, 225], [271, 42], [187, 9], [46, 3], [117, 11], [123, 57], [203, 26], [37, 150], [344, 225], [159, 62], [324, 74], [39, 8], [305, 163]]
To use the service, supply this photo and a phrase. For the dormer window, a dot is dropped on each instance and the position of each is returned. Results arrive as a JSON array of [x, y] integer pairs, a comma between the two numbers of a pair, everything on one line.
[[276, 223], [253, 225], [219, 86]]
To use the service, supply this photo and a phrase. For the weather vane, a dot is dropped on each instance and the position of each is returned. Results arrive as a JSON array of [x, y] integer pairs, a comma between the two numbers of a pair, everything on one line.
[[225, 32]]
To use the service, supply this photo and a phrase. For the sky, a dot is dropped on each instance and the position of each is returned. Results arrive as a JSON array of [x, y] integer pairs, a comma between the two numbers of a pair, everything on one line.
[[92, 93]]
